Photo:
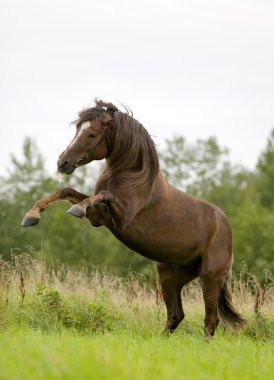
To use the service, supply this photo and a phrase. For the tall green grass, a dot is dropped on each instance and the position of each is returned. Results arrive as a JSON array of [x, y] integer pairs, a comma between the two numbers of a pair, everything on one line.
[[65, 324]]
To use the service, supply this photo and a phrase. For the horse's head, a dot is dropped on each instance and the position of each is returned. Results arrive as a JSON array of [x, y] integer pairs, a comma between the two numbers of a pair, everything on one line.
[[92, 140]]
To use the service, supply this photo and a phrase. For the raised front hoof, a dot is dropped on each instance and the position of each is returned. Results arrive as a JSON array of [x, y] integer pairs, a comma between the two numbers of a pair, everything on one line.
[[76, 211], [28, 221]]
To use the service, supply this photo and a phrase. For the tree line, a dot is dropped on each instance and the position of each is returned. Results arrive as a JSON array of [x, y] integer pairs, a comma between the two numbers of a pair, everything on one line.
[[202, 169]]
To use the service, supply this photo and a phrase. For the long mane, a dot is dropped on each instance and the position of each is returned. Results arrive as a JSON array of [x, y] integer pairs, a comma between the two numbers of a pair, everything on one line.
[[133, 161]]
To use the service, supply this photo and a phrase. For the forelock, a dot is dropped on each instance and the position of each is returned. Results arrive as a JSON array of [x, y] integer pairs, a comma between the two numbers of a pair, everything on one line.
[[95, 111]]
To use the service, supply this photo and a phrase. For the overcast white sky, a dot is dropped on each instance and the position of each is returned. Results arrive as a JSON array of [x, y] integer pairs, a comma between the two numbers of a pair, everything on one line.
[[197, 68]]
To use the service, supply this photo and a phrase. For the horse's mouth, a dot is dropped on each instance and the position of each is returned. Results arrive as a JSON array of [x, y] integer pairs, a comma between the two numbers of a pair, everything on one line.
[[67, 167], [67, 170], [81, 162]]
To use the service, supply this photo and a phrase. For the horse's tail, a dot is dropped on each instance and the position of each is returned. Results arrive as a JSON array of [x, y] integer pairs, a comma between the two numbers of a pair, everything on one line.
[[229, 316]]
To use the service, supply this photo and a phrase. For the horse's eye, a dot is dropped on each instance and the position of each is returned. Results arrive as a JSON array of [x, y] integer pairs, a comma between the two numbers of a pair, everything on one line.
[[92, 135]]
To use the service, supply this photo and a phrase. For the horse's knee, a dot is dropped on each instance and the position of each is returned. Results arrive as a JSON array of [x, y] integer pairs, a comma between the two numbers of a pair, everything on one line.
[[66, 192]]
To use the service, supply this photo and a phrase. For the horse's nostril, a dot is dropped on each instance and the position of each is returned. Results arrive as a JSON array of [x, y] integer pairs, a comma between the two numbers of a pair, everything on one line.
[[62, 164]]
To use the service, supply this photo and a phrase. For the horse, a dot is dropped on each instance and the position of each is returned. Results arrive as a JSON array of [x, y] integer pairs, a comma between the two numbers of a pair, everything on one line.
[[187, 237]]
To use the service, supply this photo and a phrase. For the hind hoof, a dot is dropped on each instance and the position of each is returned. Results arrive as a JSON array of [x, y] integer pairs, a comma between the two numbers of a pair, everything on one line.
[[28, 222], [76, 211]]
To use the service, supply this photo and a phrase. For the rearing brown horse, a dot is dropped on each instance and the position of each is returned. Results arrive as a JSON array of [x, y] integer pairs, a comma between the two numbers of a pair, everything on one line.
[[188, 238]]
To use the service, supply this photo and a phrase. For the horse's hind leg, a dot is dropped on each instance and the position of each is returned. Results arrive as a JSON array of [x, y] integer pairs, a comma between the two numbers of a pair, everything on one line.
[[32, 217], [214, 272], [211, 286], [216, 263], [172, 279]]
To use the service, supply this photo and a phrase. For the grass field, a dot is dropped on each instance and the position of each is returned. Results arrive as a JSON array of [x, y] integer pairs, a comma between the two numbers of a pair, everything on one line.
[[122, 355], [71, 325]]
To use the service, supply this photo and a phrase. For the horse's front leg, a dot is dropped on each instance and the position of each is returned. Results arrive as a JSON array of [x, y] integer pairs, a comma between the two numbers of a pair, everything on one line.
[[32, 217], [117, 208], [79, 210]]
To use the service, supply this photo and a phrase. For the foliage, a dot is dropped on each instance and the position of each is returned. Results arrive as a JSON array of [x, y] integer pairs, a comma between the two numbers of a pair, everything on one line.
[[196, 168], [35, 295], [265, 174]]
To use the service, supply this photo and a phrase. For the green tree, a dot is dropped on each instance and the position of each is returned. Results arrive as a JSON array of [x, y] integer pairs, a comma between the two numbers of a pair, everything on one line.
[[195, 168], [253, 228], [23, 186], [265, 177]]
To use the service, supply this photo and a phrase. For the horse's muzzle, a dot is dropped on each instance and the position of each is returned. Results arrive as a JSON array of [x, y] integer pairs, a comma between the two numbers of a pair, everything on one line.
[[65, 167]]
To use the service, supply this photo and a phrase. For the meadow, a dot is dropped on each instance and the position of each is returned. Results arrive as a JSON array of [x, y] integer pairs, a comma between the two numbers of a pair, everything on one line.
[[68, 324]]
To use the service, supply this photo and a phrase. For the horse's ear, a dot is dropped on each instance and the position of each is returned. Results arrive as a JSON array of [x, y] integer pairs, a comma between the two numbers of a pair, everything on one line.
[[107, 119], [110, 123]]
